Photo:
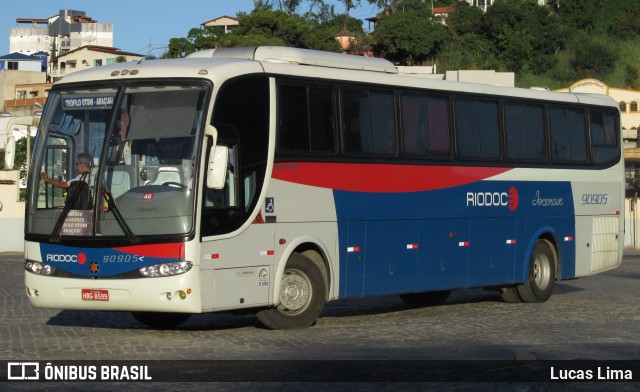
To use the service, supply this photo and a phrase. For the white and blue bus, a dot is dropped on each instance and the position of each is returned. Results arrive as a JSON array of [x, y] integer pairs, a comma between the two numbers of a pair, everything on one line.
[[277, 179]]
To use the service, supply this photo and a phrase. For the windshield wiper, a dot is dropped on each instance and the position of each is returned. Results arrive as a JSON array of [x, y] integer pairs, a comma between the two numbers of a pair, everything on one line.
[[111, 203]]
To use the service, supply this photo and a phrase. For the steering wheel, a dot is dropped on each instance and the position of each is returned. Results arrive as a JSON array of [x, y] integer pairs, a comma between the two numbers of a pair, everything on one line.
[[174, 184]]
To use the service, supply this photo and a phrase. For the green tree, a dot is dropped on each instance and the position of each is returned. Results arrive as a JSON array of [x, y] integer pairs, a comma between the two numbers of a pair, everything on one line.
[[273, 24], [409, 38], [631, 76], [180, 47], [465, 20], [526, 35], [593, 57], [389, 7], [197, 39]]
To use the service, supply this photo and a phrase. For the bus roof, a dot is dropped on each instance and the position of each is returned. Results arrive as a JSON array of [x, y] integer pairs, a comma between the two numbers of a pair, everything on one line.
[[219, 64]]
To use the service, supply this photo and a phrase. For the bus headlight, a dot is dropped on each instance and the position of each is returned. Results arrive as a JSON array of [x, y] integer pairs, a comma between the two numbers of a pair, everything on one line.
[[166, 269], [38, 268]]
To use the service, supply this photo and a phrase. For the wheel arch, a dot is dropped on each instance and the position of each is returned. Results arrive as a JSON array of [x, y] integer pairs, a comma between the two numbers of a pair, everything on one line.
[[545, 234], [316, 251]]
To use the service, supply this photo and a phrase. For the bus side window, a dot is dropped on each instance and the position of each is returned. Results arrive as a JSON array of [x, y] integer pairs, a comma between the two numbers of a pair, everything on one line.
[[603, 137], [438, 124], [414, 125], [568, 138], [383, 132], [355, 122], [524, 129]]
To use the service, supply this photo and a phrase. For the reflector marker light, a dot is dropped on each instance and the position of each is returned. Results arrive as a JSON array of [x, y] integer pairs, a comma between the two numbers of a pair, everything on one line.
[[212, 256], [511, 242], [353, 249], [463, 243], [266, 253], [618, 212], [412, 246], [569, 238]]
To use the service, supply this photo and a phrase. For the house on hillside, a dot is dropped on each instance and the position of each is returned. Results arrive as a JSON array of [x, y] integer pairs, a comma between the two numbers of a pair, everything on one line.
[[87, 57], [226, 22]]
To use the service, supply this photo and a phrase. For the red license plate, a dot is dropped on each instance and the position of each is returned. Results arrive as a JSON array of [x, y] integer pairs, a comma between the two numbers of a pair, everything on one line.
[[95, 295]]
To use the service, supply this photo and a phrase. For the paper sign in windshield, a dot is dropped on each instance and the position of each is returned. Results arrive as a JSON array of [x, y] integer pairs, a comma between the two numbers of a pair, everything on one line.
[[78, 222]]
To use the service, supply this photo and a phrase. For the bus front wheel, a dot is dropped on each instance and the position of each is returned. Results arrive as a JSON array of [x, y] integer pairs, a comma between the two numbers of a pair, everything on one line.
[[301, 297], [542, 273]]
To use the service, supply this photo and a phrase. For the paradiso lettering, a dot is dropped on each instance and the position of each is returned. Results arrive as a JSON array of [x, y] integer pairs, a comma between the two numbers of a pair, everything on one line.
[[494, 199], [546, 202]]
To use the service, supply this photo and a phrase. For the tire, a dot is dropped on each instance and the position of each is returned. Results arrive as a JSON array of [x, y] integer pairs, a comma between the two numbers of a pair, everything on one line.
[[302, 296], [542, 274], [161, 320], [510, 295], [426, 299]]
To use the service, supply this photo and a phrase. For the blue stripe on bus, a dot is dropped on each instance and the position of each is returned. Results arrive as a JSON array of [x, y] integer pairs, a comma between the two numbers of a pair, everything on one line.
[[473, 235], [101, 262]]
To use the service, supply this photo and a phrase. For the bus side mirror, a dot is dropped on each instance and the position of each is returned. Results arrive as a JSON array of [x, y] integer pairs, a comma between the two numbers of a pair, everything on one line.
[[217, 167]]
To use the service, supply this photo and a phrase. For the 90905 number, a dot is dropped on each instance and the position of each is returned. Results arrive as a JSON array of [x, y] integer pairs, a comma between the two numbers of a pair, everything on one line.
[[594, 198], [122, 258]]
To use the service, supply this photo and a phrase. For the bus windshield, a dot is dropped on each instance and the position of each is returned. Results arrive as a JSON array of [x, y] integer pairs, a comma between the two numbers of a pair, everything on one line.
[[117, 162]]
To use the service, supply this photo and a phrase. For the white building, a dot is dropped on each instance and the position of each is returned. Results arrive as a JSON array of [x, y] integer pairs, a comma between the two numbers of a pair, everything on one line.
[[59, 34], [87, 57], [484, 4]]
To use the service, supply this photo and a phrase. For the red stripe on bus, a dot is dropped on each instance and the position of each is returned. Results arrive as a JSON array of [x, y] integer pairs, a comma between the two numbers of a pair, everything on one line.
[[381, 178], [163, 251]]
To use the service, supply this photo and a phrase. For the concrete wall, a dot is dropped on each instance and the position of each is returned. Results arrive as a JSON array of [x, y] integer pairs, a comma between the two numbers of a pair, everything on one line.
[[11, 213], [9, 79]]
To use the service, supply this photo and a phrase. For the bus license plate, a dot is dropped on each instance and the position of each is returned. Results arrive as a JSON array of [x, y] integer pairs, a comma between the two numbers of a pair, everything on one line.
[[95, 295]]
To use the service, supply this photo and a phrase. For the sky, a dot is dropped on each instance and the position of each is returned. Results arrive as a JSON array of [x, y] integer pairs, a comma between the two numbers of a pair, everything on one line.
[[139, 24]]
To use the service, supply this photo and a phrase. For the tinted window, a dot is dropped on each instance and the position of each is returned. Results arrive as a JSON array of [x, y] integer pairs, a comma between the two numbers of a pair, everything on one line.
[[524, 130], [425, 126], [604, 137], [305, 119], [368, 122], [568, 135], [477, 129]]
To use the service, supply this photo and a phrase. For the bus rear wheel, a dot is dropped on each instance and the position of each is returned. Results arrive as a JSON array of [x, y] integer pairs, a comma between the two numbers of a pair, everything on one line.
[[542, 274], [301, 297], [159, 320]]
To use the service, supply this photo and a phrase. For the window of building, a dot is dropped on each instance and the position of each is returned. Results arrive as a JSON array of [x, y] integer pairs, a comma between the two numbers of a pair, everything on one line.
[[97, 63], [12, 65], [623, 106], [634, 107]]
